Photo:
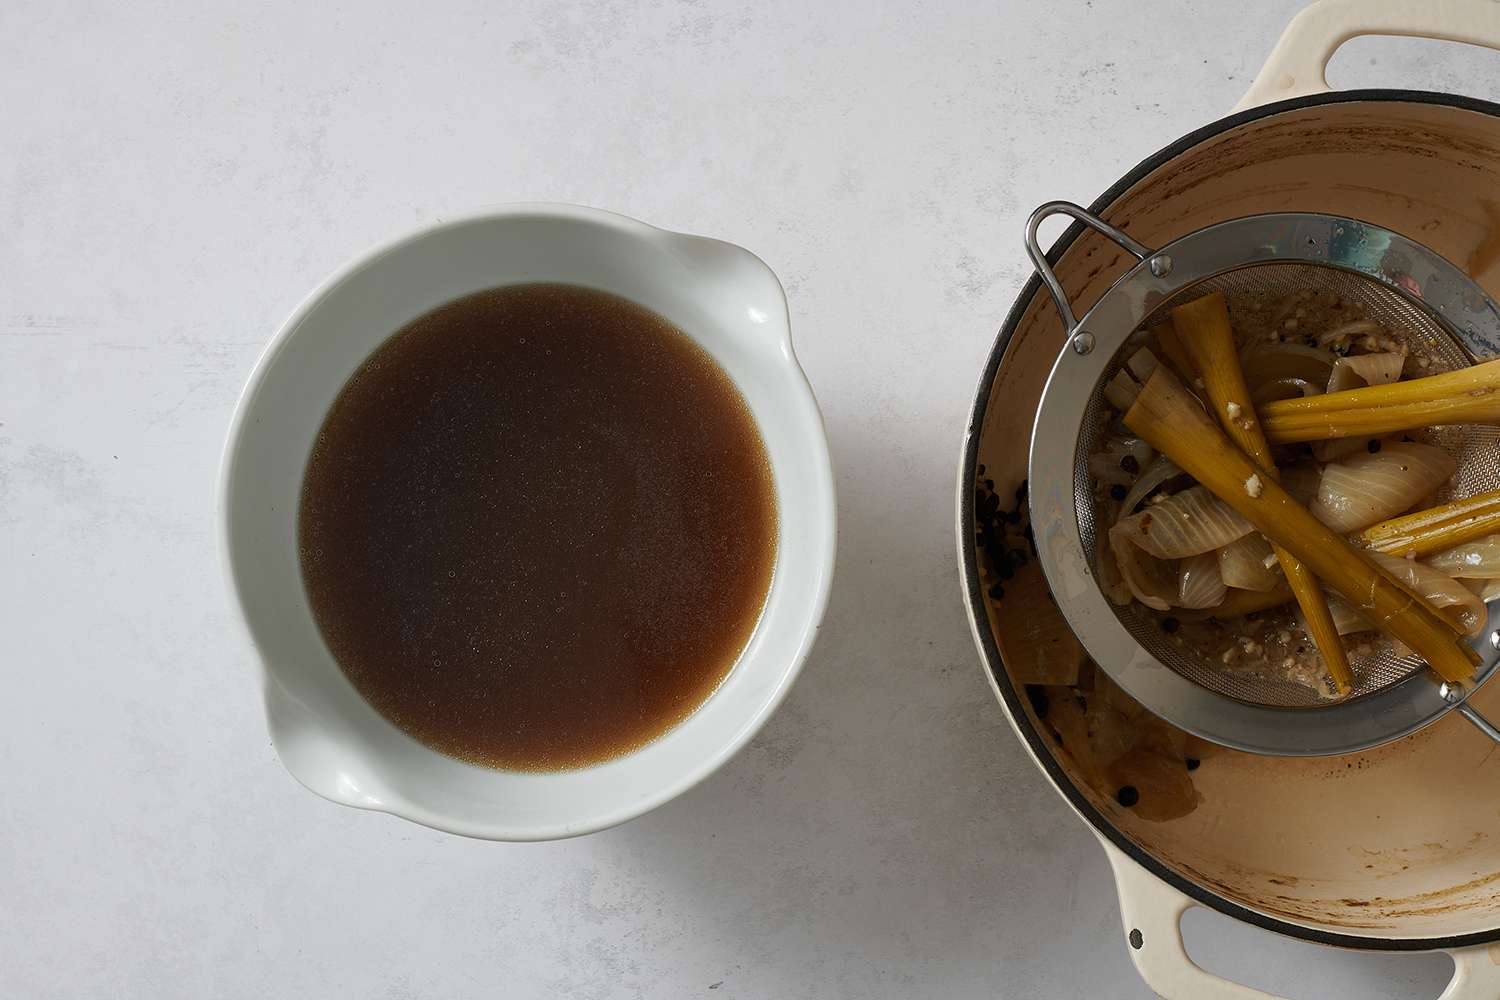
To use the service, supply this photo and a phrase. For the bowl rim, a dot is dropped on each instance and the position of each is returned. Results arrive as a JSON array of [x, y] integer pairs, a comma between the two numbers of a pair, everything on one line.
[[974, 597], [821, 485]]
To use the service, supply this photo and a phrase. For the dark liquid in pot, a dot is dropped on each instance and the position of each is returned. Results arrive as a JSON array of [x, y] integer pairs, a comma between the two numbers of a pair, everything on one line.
[[538, 527]]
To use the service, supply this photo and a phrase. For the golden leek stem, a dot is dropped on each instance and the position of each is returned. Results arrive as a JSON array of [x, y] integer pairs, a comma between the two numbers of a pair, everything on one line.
[[1467, 396], [1167, 416], [1205, 335], [1436, 528], [1172, 349], [1238, 603], [1482, 379]]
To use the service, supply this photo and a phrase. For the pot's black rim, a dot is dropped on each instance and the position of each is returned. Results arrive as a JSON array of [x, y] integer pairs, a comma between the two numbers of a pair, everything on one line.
[[1040, 749]]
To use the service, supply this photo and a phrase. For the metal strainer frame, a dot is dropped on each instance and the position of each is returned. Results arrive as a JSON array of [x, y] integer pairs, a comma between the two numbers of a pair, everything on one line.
[[1408, 269]]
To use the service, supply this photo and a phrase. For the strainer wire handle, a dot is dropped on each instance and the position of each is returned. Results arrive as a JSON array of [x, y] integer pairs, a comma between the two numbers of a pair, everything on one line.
[[1458, 698], [1044, 267]]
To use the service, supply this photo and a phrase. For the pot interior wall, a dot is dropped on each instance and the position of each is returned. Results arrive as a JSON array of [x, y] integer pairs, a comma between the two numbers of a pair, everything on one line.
[[1403, 841]]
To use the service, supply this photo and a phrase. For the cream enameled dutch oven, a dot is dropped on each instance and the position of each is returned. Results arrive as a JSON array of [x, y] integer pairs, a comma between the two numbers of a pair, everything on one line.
[[1395, 849]]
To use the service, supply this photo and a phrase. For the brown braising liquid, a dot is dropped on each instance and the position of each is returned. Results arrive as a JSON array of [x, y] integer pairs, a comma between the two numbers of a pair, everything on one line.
[[538, 527]]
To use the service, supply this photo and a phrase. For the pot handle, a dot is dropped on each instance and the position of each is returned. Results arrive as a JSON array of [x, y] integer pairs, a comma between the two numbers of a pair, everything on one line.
[[1476, 974], [1296, 65], [1151, 912]]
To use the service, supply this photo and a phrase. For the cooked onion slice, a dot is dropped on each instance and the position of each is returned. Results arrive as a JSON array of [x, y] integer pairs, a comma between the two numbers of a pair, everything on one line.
[[1301, 481], [1283, 388], [1345, 618], [1242, 564], [1338, 449], [1359, 370], [1268, 363], [1184, 524], [1363, 489], [1485, 590], [1199, 584], [1120, 461], [1142, 363], [1159, 471], [1121, 391], [1452, 599], [1356, 372], [1151, 581], [1476, 560]]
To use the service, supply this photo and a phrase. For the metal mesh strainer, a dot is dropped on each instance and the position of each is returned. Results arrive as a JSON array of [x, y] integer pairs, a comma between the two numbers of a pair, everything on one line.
[[1474, 447], [1442, 316]]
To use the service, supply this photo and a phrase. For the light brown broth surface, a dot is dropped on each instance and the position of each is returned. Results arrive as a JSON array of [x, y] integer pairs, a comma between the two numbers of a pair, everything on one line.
[[538, 527]]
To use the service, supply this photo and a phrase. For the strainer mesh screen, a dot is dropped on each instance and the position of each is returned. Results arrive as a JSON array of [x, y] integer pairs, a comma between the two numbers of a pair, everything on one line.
[[1476, 448]]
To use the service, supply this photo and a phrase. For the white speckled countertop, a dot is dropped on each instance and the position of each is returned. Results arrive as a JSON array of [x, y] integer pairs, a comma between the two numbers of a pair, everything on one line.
[[174, 177]]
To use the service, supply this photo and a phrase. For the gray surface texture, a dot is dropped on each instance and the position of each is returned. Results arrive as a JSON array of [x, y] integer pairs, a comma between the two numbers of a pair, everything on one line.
[[174, 177]]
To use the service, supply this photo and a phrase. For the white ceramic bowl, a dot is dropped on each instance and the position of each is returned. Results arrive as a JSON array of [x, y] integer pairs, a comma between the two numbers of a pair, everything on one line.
[[326, 734]]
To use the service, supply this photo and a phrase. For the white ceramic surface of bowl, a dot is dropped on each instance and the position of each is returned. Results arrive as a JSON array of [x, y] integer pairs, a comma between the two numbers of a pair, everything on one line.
[[326, 734]]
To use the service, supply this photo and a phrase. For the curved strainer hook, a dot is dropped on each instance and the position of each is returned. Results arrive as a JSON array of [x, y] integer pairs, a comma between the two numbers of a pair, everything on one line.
[[1159, 266]]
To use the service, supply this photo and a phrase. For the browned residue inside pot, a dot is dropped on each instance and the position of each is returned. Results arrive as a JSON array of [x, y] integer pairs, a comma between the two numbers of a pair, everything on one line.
[[1128, 758], [1487, 253], [1400, 838]]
